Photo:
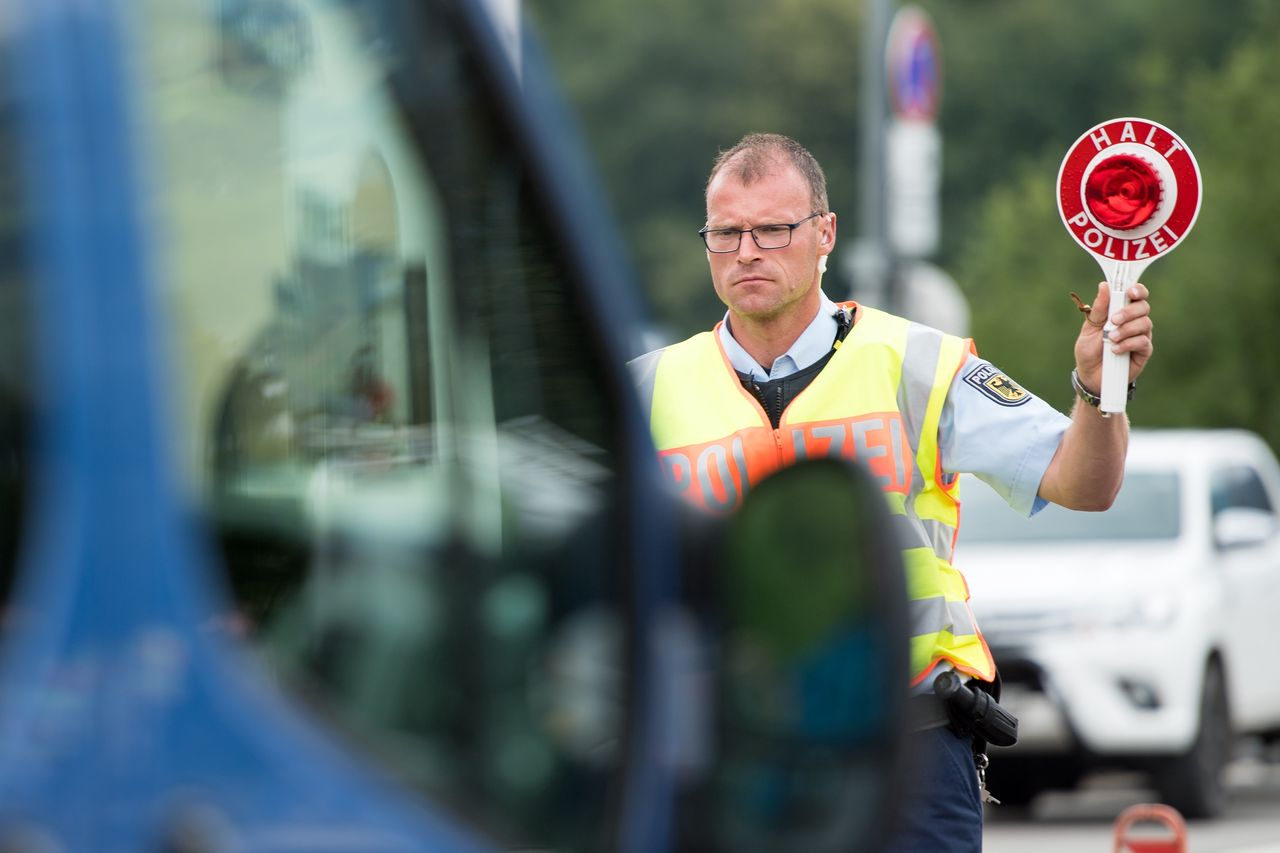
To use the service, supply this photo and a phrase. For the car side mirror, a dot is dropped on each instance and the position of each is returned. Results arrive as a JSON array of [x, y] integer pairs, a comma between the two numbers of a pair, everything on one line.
[[1241, 527], [808, 610]]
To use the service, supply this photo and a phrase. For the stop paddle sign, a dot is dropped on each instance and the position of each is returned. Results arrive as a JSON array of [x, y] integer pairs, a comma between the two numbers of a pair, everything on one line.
[[1128, 192]]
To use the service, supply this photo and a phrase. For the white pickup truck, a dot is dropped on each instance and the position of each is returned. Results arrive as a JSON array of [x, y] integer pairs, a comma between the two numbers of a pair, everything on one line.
[[1141, 637]]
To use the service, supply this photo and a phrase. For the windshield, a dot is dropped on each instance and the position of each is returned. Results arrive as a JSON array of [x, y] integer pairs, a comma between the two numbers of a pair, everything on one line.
[[1146, 508]]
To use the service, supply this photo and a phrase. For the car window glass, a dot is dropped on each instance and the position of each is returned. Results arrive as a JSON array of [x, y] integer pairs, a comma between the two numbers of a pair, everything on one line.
[[390, 413], [1238, 486], [1147, 507]]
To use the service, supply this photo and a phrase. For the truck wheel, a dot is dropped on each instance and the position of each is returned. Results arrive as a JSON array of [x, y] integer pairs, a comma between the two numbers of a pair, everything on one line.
[[1017, 792], [1016, 782], [1192, 782]]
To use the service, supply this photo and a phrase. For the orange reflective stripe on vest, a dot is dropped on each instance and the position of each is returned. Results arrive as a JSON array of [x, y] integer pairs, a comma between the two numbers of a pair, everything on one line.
[[878, 401], [717, 474]]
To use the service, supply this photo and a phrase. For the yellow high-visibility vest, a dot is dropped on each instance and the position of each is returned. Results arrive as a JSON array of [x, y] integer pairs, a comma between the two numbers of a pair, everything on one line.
[[878, 400]]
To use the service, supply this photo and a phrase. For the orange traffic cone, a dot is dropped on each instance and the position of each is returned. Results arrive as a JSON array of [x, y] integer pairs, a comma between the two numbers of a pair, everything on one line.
[[1148, 841]]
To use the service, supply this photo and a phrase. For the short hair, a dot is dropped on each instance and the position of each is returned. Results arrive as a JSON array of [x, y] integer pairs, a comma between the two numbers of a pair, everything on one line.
[[756, 154]]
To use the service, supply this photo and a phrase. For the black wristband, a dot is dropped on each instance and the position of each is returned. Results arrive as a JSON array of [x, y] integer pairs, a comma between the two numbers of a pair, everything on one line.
[[1088, 396]]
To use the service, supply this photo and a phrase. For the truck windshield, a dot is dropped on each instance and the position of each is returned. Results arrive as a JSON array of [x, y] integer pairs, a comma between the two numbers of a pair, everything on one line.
[[1146, 508]]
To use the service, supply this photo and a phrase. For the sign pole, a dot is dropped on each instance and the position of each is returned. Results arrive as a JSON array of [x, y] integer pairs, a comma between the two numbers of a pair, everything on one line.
[[874, 242]]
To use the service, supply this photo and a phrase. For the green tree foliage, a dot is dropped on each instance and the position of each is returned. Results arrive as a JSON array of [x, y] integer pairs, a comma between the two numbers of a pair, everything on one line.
[[1221, 358], [1018, 271], [663, 86]]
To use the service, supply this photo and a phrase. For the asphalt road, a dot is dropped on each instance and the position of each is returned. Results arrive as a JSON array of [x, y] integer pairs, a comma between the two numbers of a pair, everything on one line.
[[1083, 821]]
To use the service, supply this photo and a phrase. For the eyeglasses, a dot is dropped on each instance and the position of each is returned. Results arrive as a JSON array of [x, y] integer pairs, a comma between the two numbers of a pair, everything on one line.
[[722, 240]]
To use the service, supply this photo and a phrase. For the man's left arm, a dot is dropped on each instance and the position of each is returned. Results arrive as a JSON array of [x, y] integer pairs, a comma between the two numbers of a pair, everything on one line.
[[1088, 467]]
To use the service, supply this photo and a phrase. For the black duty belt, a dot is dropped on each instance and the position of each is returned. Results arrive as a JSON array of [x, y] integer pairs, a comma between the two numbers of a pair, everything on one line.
[[926, 711]]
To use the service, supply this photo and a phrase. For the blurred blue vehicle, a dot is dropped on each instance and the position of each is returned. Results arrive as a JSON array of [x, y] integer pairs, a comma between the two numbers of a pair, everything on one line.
[[328, 520]]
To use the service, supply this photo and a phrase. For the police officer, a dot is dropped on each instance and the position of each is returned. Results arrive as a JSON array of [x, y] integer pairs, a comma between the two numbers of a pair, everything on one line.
[[789, 374]]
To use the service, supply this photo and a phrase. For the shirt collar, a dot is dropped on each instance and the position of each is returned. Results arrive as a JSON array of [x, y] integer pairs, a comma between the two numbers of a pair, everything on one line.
[[814, 343]]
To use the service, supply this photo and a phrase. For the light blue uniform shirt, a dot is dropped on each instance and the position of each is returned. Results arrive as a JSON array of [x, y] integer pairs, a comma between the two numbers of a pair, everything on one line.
[[1007, 447]]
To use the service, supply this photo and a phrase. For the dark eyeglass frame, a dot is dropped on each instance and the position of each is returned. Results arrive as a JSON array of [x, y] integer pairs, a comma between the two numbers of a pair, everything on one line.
[[790, 226]]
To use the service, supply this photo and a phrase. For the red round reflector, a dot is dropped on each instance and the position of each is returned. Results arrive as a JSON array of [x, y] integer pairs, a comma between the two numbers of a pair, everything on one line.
[[1122, 192]]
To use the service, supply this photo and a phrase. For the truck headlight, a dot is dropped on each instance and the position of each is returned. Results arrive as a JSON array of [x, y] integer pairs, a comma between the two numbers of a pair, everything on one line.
[[1147, 612]]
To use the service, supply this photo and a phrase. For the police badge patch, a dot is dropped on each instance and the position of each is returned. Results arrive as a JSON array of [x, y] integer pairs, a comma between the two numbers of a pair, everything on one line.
[[997, 386]]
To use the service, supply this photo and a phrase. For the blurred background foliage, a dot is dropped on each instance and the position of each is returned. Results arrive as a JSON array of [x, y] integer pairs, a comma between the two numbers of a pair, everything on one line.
[[661, 86]]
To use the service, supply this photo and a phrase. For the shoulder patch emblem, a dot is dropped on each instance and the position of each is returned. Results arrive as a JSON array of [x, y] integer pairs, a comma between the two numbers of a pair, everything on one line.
[[995, 385]]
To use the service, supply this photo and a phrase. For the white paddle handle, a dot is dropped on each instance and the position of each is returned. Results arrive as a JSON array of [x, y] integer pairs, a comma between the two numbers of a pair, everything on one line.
[[1120, 276], [1115, 366]]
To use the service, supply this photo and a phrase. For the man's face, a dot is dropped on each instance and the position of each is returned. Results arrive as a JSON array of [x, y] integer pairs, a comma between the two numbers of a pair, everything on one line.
[[767, 283]]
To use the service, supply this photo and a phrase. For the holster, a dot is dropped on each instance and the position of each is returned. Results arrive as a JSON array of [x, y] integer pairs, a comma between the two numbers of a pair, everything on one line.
[[981, 718]]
